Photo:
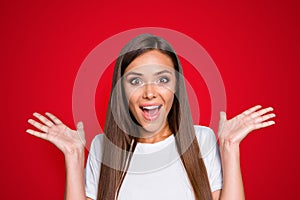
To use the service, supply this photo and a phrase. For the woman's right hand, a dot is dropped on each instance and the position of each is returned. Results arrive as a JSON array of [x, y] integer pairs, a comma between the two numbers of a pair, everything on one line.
[[53, 130]]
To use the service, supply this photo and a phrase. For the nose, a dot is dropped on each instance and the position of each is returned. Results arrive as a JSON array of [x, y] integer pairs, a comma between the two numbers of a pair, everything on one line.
[[149, 91]]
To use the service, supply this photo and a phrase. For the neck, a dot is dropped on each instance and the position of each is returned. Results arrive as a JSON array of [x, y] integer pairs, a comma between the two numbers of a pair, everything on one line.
[[150, 137]]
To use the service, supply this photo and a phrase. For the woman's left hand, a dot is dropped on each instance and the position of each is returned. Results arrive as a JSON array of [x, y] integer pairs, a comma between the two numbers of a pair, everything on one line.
[[233, 131]]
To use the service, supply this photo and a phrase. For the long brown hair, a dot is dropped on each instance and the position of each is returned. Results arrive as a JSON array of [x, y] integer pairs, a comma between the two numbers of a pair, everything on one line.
[[120, 141]]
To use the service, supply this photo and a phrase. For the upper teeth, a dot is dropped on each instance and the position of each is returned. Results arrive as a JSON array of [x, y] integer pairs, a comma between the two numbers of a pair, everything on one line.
[[150, 107]]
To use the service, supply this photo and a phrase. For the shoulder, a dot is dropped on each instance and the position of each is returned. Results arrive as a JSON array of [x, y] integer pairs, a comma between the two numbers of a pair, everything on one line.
[[209, 150], [206, 139], [204, 133], [97, 145], [97, 141]]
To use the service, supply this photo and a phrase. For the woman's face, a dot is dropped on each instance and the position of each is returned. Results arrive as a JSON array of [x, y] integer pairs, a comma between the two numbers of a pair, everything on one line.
[[149, 82]]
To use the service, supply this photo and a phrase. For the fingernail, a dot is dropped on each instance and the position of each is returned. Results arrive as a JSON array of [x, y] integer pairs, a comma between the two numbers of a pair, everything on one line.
[[79, 125]]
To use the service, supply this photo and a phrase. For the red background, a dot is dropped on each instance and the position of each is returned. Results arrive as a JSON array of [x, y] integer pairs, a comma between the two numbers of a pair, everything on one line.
[[254, 44]]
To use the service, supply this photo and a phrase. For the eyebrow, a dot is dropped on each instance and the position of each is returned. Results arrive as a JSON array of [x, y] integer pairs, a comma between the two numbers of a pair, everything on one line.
[[162, 72], [133, 73], [140, 74]]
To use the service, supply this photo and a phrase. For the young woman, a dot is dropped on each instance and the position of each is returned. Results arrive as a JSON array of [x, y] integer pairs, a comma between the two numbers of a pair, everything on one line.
[[151, 149]]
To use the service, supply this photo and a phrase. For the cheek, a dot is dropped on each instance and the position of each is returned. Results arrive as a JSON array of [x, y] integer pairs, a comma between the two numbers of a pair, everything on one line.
[[130, 95], [169, 98], [132, 92], [132, 99], [171, 87]]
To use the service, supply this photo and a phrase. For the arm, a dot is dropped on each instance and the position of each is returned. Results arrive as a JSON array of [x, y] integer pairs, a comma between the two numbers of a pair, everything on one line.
[[231, 133], [232, 176], [75, 176], [71, 143]]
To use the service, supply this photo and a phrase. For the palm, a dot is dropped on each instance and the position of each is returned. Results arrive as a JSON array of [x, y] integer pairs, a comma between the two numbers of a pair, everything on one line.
[[237, 128], [58, 133]]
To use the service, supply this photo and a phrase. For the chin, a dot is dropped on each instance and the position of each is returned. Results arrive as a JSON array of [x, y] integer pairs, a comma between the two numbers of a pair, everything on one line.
[[151, 128]]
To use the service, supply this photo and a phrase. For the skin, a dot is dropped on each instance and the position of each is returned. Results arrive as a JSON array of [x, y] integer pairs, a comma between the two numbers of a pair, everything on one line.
[[150, 80], [231, 131]]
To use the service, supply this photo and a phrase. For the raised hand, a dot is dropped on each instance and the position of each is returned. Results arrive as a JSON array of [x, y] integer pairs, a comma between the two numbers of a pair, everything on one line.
[[236, 129], [54, 131]]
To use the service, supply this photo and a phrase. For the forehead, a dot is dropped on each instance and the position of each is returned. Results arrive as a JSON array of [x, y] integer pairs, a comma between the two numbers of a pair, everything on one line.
[[153, 58]]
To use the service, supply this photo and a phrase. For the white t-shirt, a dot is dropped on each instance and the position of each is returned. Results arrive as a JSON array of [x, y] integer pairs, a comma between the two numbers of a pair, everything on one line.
[[156, 170]]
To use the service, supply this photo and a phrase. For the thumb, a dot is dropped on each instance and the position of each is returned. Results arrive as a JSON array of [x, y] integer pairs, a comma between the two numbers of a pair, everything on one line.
[[222, 117], [80, 131], [80, 128], [221, 122]]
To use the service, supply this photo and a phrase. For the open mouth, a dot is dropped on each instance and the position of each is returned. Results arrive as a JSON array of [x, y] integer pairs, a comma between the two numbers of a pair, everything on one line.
[[151, 112]]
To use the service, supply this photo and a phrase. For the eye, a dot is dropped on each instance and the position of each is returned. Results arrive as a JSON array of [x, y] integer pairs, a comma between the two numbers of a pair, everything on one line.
[[136, 81], [163, 80]]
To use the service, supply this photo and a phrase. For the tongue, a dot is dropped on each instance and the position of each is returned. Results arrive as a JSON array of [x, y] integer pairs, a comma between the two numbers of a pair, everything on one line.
[[152, 112]]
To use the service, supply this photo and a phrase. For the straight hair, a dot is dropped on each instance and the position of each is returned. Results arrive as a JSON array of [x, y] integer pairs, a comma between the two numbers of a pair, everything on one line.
[[120, 129]]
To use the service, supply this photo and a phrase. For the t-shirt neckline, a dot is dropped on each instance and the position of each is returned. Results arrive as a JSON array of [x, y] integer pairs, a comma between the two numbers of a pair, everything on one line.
[[153, 147]]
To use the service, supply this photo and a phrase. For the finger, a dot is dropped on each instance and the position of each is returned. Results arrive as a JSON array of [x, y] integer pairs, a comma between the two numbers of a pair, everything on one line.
[[251, 110], [53, 118], [43, 119], [264, 124], [262, 112], [38, 125], [247, 112], [264, 118], [37, 134]]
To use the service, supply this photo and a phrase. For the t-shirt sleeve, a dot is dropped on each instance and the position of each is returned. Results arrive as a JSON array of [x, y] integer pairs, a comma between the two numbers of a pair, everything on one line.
[[211, 156], [93, 165]]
